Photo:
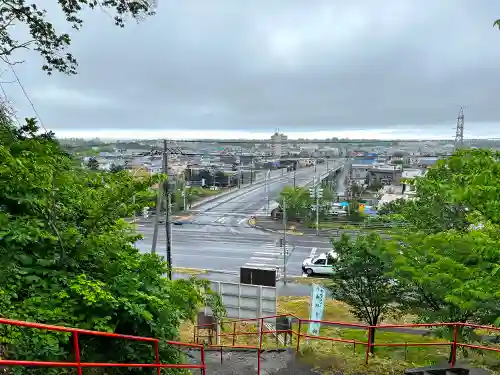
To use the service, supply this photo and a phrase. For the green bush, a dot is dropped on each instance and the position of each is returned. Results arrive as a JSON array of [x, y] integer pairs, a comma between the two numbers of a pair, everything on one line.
[[68, 259]]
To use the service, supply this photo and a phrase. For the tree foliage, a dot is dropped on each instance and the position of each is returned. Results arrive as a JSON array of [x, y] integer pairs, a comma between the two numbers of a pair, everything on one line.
[[448, 256], [68, 258], [43, 36], [361, 278], [297, 202], [93, 164], [115, 168]]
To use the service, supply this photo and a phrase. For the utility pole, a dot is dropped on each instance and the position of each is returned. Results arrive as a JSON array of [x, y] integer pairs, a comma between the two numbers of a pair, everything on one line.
[[268, 175], [316, 192], [184, 196], [284, 241], [239, 173], [317, 210], [168, 224]]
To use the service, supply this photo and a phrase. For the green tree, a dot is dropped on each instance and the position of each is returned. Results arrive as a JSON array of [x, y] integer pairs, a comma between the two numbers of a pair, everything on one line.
[[45, 39], [361, 278], [448, 255], [68, 258], [115, 168], [298, 202], [93, 164], [432, 210], [393, 207]]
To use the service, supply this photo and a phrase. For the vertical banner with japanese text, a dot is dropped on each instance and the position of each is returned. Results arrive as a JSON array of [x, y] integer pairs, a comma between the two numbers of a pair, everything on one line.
[[317, 308]]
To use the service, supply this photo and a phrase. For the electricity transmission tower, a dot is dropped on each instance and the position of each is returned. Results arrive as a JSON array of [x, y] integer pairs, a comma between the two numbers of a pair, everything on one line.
[[459, 134]]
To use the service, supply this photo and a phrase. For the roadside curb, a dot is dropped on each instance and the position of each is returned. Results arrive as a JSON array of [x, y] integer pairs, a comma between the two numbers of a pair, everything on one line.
[[289, 232], [206, 270], [261, 228]]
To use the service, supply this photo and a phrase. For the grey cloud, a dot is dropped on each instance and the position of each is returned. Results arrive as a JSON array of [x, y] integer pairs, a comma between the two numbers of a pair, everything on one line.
[[297, 65]]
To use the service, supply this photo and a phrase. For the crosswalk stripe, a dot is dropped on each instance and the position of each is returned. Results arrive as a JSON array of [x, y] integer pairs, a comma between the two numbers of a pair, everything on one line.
[[261, 258], [279, 253], [261, 265]]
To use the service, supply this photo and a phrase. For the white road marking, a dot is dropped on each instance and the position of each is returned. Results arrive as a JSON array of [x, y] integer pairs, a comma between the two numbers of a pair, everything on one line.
[[242, 221], [261, 265], [264, 259], [279, 253]]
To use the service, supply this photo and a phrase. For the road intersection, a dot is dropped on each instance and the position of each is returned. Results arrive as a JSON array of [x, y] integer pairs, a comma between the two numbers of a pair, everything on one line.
[[218, 238]]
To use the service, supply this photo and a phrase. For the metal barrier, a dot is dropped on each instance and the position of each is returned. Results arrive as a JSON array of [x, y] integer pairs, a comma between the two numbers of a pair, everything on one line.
[[76, 350], [260, 332], [369, 344]]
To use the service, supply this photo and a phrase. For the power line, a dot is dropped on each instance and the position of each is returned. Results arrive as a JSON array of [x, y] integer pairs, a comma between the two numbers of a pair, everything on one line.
[[26, 95], [306, 141], [154, 154]]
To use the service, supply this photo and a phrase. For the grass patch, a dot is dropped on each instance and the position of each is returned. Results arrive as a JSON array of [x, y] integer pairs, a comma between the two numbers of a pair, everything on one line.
[[306, 280], [330, 357]]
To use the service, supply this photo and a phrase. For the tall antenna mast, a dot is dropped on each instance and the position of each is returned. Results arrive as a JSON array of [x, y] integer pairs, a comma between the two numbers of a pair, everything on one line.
[[459, 134]]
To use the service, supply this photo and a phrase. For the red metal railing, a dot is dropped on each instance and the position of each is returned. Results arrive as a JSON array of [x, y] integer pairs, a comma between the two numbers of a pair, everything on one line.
[[454, 344], [76, 350]]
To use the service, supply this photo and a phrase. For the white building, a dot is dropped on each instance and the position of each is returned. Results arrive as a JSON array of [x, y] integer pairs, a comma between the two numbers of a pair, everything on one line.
[[278, 144]]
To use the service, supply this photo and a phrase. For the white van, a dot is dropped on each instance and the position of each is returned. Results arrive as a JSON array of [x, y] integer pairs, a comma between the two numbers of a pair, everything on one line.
[[320, 265]]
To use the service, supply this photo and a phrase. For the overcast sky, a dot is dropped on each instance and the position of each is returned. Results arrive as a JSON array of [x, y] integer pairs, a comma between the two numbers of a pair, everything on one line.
[[391, 68]]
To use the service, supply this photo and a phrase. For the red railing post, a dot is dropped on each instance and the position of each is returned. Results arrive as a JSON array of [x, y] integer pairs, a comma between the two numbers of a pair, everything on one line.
[[258, 361], [234, 333], [202, 360], [157, 357], [369, 345], [454, 345], [76, 349], [260, 344], [298, 336], [261, 329]]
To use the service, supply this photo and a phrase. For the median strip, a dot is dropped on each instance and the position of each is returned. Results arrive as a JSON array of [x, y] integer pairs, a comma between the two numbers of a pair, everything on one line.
[[201, 271]]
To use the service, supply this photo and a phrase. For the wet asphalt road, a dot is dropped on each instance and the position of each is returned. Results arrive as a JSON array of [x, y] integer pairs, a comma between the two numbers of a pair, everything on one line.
[[216, 235]]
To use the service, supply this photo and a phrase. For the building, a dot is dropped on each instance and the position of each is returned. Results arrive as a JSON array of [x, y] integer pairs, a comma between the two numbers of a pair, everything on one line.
[[278, 145], [383, 175]]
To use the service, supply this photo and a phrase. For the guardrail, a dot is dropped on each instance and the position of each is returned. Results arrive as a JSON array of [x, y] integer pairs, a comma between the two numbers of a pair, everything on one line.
[[79, 365], [259, 328]]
